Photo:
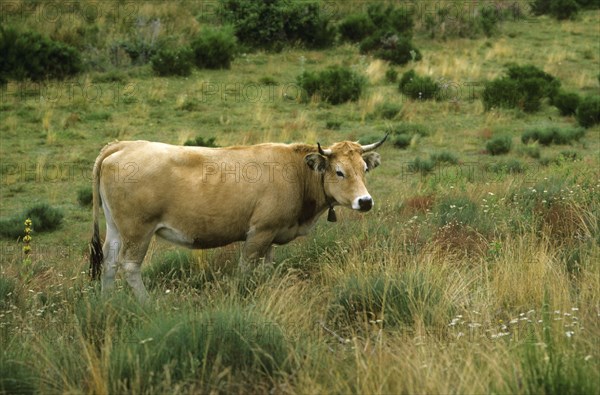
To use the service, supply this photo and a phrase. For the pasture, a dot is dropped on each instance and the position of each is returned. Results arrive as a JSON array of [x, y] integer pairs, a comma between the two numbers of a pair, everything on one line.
[[473, 273]]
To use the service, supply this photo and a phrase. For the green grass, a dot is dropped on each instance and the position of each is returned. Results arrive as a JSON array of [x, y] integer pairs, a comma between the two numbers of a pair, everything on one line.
[[445, 260]]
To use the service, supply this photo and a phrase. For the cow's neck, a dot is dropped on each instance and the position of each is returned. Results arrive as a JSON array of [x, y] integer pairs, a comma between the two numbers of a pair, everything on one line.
[[314, 200]]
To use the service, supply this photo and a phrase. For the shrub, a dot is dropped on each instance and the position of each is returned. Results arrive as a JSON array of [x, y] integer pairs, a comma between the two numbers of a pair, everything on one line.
[[356, 27], [44, 218], [471, 22], [408, 128], [567, 103], [499, 145], [84, 196], [390, 46], [532, 151], [273, 24], [199, 141], [523, 87], [391, 75], [214, 49], [563, 9], [168, 61], [335, 85], [588, 112], [29, 55], [418, 88]]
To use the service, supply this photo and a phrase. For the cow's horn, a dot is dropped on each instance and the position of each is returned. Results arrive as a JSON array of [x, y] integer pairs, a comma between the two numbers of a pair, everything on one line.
[[324, 152], [371, 147]]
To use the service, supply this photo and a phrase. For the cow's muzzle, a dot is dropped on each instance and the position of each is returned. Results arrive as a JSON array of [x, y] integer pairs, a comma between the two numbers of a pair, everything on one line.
[[363, 203]]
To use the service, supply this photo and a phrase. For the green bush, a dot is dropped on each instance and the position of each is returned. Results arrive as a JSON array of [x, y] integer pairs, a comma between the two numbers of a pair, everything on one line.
[[408, 128], [29, 55], [471, 23], [523, 87], [84, 196], [276, 23], [391, 75], [390, 46], [44, 218], [333, 125], [214, 49], [335, 85], [588, 112], [199, 141], [499, 145], [356, 27], [560, 9], [172, 61], [567, 103], [417, 87]]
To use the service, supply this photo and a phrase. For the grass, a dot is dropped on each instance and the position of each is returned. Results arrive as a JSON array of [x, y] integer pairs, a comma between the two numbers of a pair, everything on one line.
[[476, 277]]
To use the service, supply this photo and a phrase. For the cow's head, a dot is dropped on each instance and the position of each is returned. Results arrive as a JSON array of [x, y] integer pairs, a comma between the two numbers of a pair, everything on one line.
[[344, 166]]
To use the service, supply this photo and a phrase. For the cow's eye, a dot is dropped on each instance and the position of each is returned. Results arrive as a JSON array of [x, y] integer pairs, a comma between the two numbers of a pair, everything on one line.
[[339, 174]]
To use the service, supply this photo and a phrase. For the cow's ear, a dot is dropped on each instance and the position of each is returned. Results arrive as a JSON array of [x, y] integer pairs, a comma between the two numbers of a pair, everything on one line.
[[372, 159], [316, 162]]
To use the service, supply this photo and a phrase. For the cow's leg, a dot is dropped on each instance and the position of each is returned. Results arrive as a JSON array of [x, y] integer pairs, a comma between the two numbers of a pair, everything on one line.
[[131, 256], [257, 245], [269, 256], [111, 248]]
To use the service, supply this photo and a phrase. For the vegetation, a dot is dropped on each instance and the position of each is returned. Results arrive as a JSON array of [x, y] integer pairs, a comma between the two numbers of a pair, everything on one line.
[[499, 145], [334, 85], [478, 276], [417, 87], [588, 111], [214, 49], [172, 61]]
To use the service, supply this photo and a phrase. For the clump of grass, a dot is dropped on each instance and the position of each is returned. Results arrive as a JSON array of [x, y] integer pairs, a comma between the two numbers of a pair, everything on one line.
[[200, 141], [333, 125], [8, 287], [531, 150], [409, 129], [460, 210], [552, 135], [401, 141], [444, 157], [499, 145], [394, 301], [511, 166], [84, 196], [192, 346], [424, 166], [173, 269], [387, 110]]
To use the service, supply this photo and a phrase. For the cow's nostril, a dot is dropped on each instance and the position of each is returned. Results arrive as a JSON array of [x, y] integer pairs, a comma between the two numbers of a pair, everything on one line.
[[365, 204]]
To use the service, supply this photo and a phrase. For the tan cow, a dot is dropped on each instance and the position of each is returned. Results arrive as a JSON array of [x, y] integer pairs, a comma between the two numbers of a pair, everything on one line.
[[201, 197]]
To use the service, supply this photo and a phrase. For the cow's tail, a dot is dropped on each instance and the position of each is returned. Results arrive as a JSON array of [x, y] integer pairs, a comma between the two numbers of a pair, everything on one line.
[[96, 255]]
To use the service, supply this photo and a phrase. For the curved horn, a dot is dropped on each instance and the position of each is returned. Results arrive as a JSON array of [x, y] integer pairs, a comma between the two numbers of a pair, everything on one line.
[[371, 147], [323, 152]]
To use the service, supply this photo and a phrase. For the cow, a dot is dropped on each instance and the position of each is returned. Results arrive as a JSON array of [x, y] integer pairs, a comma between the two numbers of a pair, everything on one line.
[[201, 197]]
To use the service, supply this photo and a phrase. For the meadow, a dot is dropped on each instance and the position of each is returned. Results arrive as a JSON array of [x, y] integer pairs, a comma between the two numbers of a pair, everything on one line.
[[473, 273]]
